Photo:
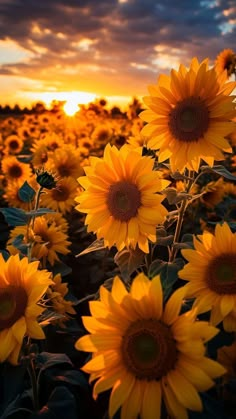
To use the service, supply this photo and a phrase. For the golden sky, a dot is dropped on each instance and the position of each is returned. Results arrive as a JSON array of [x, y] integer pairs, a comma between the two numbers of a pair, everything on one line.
[[83, 49]]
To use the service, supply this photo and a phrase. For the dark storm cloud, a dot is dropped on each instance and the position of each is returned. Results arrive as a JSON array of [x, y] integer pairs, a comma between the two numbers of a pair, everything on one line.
[[124, 37]]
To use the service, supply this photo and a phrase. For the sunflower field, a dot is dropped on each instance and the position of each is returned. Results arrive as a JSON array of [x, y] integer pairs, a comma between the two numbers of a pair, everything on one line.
[[118, 254]]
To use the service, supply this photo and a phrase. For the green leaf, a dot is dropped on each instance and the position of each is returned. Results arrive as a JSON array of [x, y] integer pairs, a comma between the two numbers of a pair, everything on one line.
[[155, 268], [96, 245], [46, 360], [220, 170], [165, 241], [15, 216], [5, 254], [61, 268], [26, 192], [128, 260], [174, 197], [168, 272], [18, 240], [39, 212], [61, 404]]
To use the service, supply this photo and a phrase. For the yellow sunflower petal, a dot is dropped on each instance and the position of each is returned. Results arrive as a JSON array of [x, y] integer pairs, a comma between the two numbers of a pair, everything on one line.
[[173, 306], [184, 391], [174, 407], [151, 406], [132, 406], [120, 392]]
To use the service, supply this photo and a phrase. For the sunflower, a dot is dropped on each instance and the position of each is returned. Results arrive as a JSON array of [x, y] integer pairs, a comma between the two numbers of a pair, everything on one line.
[[102, 134], [189, 116], [147, 353], [57, 220], [62, 197], [211, 273], [21, 287], [14, 170], [13, 144], [137, 142], [40, 156], [230, 189], [11, 194], [213, 193], [56, 293], [226, 60], [121, 199], [49, 240], [66, 162], [226, 355], [52, 141]]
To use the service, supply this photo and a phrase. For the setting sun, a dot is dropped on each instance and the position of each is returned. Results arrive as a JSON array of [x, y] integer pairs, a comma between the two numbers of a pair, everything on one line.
[[71, 107], [73, 99]]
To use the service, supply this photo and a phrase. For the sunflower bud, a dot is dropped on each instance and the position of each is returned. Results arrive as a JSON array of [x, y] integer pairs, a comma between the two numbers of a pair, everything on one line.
[[46, 179]]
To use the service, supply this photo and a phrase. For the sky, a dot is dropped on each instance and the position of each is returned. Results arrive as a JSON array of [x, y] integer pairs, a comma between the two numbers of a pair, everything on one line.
[[82, 49]]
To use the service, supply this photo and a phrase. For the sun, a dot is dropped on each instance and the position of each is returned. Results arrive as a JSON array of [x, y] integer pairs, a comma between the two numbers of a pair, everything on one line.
[[72, 99], [71, 107]]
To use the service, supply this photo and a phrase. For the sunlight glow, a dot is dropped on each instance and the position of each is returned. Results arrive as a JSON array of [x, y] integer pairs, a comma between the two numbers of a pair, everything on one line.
[[71, 107], [73, 98]]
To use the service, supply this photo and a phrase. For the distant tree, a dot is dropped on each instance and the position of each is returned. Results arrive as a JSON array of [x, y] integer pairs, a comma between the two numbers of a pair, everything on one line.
[[38, 108]]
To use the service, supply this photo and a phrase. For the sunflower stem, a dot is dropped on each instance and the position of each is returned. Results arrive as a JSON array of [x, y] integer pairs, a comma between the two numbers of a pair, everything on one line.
[[33, 380], [180, 220], [36, 204], [32, 220]]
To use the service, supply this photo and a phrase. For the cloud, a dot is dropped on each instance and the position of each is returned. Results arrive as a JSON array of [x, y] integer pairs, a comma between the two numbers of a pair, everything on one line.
[[111, 46]]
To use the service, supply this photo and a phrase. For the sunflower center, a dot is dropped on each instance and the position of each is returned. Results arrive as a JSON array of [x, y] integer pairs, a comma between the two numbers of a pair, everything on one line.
[[189, 120], [14, 144], [13, 302], [64, 170], [53, 146], [15, 171], [44, 157], [221, 274], [61, 193], [148, 349], [123, 200]]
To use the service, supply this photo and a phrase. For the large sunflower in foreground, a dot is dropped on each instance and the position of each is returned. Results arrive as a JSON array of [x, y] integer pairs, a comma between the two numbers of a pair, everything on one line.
[[147, 353], [211, 273], [21, 287], [189, 116], [121, 199], [226, 60]]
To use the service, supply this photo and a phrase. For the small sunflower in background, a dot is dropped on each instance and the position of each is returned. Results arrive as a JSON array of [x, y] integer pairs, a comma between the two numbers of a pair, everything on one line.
[[14, 170], [214, 193], [102, 134], [22, 286], [62, 197], [11, 194], [66, 162], [137, 142], [56, 294], [57, 220], [49, 240], [211, 275], [13, 144], [40, 155], [189, 116], [226, 60], [146, 352], [226, 355], [122, 198], [52, 141]]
